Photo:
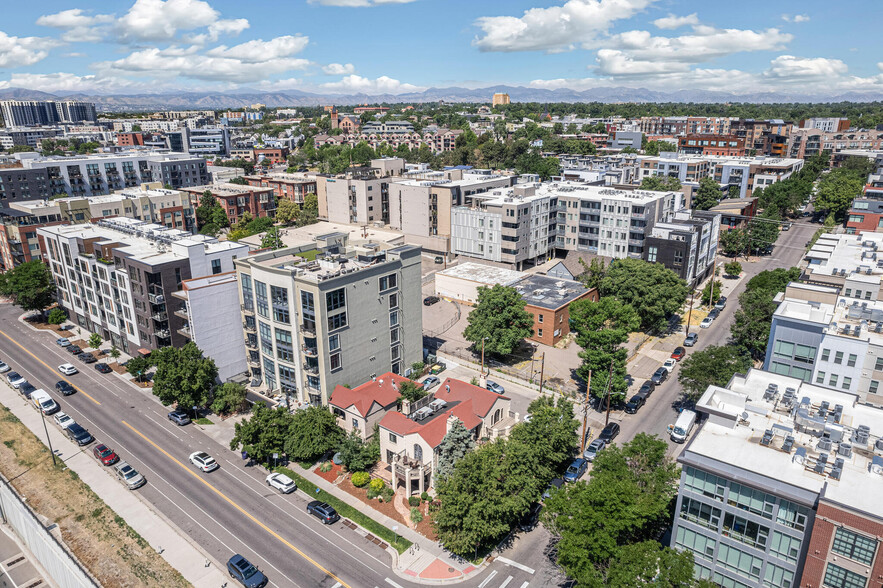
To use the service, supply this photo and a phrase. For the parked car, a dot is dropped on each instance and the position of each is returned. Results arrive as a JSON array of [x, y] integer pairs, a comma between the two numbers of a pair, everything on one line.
[[678, 354], [27, 389], [68, 369], [670, 364], [714, 314], [15, 379], [179, 417], [78, 434], [430, 300], [495, 388], [203, 461], [576, 470], [529, 520], [647, 388], [87, 358], [63, 341], [721, 303], [706, 322], [690, 340], [430, 382], [594, 449], [4, 368], [103, 368], [245, 572], [65, 388], [323, 511], [129, 476], [73, 349], [609, 433], [62, 420], [105, 454], [786, 226], [659, 376], [553, 486], [43, 402], [282, 483], [635, 403]]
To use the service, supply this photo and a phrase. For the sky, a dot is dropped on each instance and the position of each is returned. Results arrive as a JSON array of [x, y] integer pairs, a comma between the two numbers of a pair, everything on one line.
[[399, 46]]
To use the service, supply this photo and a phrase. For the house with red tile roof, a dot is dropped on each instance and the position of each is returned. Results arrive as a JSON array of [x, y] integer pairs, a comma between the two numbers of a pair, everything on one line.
[[360, 408], [409, 439]]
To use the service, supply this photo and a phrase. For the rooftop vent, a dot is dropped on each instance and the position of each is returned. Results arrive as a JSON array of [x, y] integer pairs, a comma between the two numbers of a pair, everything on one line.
[[767, 437], [799, 456], [877, 465], [824, 444], [844, 450]]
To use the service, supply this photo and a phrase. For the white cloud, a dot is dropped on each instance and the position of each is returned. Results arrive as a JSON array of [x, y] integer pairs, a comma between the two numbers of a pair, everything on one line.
[[617, 63], [675, 22], [339, 69], [21, 51], [797, 18], [706, 43], [278, 85], [359, 3], [354, 84], [259, 50], [222, 27], [557, 28], [68, 82], [791, 68], [160, 20], [78, 25]]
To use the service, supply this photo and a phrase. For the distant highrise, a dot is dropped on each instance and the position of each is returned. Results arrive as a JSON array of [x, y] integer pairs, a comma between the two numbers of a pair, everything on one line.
[[500, 99], [24, 113]]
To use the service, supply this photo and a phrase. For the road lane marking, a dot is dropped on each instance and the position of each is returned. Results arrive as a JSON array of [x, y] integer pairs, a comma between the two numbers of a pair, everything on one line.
[[336, 585], [488, 579], [53, 370], [515, 564], [391, 583], [524, 585], [506, 582], [239, 508]]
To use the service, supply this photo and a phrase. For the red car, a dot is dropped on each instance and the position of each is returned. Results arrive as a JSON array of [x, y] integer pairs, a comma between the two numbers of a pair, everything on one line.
[[105, 455], [679, 353]]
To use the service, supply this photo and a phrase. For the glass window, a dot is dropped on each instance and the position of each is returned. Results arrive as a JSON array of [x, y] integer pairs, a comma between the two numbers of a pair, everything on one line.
[[739, 561], [751, 500], [872, 388], [826, 353], [337, 321], [335, 361], [832, 381], [266, 338], [392, 438], [705, 483], [700, 513], [394, 300], [746, 531], [776, 577], [785, 547], [260, 289], [695, 542], [335, 299], [837, 577], [287, 379], [284, 348], [804, 353], [854, 546], [791, 515], [851, 360], [270, 373], [878, 365], [838, 357], [784, 349], [394, 318], [334, 342], [279, 297], [216, 266], [847, 382], [307, 304], [388, 282], [820, 378]]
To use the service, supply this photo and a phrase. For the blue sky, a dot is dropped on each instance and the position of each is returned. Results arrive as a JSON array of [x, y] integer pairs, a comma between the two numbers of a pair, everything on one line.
[[396, 46]]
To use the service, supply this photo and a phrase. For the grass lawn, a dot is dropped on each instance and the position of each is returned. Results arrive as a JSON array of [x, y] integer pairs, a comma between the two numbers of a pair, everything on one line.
[[203, 421]]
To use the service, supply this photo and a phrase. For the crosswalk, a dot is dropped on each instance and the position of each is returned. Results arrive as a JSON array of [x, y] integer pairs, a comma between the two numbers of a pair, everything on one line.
[[492, 579]]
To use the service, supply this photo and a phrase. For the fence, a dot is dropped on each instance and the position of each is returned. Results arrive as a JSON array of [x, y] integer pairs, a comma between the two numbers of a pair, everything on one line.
[[52, 555], [453, 321]]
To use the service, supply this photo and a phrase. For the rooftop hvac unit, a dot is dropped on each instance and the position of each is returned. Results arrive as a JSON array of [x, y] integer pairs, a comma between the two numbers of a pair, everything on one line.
[[824, 444], [877, 465], [799, 456], [821, 462], [844, 450], [836, 473], [788, 445], [767, 437]]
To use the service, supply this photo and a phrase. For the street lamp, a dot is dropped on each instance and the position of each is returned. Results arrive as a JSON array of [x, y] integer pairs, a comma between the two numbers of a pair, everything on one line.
[[48, 440]]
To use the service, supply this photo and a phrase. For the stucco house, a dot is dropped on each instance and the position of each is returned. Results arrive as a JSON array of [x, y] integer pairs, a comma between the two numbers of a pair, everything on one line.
[[360, 408]]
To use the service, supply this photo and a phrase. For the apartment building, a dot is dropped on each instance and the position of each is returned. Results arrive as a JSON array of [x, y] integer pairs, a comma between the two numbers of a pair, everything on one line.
[[866, 212], [780, 484], [394, 136], [294, 187], [708, 144], [679, 125], [330, 314], [686, 244], [237, 199], [548, 300], [116, 277], [23, 113], [27, 136], [610, 170], [805, 143], [19, 242], [271, 155], [827, 124], [500, 99]]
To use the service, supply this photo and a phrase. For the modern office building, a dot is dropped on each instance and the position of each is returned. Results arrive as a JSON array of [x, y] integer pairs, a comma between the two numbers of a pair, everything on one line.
[[330, 313], [116, 277], [780, 486], [25, 113]]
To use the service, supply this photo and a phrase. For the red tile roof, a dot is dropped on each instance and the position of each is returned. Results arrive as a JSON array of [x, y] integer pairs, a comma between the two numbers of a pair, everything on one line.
[[382, 390]]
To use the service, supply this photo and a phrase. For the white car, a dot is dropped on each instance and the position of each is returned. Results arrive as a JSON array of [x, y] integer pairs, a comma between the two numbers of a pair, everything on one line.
[[282, 483], [203, 461], [670, 364], [706, 322], [63, 420], [15, 379], [67, 369], [4, 368]]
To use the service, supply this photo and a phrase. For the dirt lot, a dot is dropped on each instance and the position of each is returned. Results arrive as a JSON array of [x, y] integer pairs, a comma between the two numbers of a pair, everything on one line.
[[111, 550]]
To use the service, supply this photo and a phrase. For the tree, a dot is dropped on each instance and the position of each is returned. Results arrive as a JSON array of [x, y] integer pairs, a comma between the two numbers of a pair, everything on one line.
[[239, 180], [733, 242], [229, 398], [272, 239], [733, 268], [751, 324], [356, 455], [183, 376], [411, 391], [456, 444], [313, 433], [29, 285], [499, 319], [115, 353], [734, 191], [708, 195], [763, 231], [287, 212], [551, 434], [660, 183], [650, 564], [263, 433], [309, 214], [601, 329], [593, 273], [773, 280], [713, 366], [711, 292], [654, 291], [95, 340], [56, 316], [654, 147], [837, 189], [137, 366]]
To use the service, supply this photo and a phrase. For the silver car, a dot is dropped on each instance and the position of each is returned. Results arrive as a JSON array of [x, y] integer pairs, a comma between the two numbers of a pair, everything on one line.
[[594, 449], [129, 476]]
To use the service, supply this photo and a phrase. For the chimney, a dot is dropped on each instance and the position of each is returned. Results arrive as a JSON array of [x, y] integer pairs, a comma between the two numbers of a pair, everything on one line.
[[406, 407], [450, 422]]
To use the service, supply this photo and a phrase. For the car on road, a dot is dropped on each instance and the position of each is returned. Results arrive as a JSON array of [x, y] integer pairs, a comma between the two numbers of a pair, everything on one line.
[[430, 300], [659, 376], [495, 388], [678, 354], [62, 420], [105, 454], [282, 483], [529, 520], [245, 572], [714, 314], [63, 341], [43, 402], [670, 364], [706, 322], [129, 475], [73, 349], [721, 303], [78, 434], [27, 389], [68, 369], [87, 358], [635, 403], [179, 417], [609, 432], [690, 340], [647, 388], [430, 382], [4, 368], [204, 461], [65, 388], [323, 511], [786, 226], [576, 470], [594, 449], [15, 379], [103, 368]]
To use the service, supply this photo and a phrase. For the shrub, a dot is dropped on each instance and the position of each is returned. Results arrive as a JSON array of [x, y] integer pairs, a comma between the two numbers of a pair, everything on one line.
[[325, 467], [417, 367], [361, 479], [56, 316], [414, 500], [371, 494], [377, 485], [387, 493], [424, 496], [416, 515]]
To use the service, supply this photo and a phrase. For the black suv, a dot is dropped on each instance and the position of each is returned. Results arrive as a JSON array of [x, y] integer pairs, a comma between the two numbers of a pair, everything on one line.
[[609, 433], [65, 388], [26, 389], [635, 402], [323, 511], [647, 388], [659, 376], [78, 434]]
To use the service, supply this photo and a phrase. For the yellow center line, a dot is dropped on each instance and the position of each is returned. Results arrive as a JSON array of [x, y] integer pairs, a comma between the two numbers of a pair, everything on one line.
[[48, 366], [237, 507]]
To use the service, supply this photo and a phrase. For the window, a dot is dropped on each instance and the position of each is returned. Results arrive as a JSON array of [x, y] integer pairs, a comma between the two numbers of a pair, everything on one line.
[[847, 382], [216, 266], [785, 547], [260, 289], [705, 483], [878, 365], [856, 218], [287, 379], [776, 577], [751, 500], [739, 561], [746, 531], [854, 546], [279, 297], [539, 332], [700, 513], [838, 357], [820, 378], [651, 254], [826, 353], [394, 300], [695, 542], [539, 318], [392, 438], [791, 515], [388, 282], [832, 381], [335, 299], [872, 388], [270, 373], [335, 361], [837, 577], [394, 335], [783, 349], [851, 360], [804, 353], [266, 338], [334, 342], [284, 348], [338, 321], [394, 318], [307, 304]]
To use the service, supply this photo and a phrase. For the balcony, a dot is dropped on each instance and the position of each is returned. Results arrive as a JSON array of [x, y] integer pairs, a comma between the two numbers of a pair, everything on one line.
[[254, 364], [156, 298], [251, 342], [310, 351], [247, 309], [308, 330], [160, 317], [249, 327], [185, 331], [163, 334], [313, 370], [182, 312]]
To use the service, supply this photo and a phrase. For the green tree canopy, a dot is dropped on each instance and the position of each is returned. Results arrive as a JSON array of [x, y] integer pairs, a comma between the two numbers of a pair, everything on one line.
[[551, 433], [648, 563], [733, 268], [29, 285], [654, 147], [660, 183], [95, 340], [593, 272], [263, 433], [56, 316], [313, 432], [708, 195], [837, 189], [499, 317], [287, 212], [183, 376], [713, 366], [356, 455], [733, 242], [654, 291], [137, 366], [229, 398], [456, 444], [411, 391]]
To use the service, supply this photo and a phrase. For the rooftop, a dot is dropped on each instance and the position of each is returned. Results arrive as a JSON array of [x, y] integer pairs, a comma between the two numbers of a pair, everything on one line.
[[484, 274], [846, 256], [306, 235], [226, 189], [808, 437], [551, 293], [379, 392]]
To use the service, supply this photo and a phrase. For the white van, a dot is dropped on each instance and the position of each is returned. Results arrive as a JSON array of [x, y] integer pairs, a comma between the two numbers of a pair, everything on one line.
[[43, 402], [683, 426]]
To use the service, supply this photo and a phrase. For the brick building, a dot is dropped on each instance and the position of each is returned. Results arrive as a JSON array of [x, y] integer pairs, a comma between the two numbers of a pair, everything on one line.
[[130, 139], [285, 186], [711, 144], [548, 299], [237, 199], [271, 154]]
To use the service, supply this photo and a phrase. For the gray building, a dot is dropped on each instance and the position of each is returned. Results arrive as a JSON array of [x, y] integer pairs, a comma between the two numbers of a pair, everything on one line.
[[687, 245], [330, 314], [24, 113]]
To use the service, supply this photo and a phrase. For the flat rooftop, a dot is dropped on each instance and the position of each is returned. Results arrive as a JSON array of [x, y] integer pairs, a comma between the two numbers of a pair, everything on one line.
[[847, 256], [296, 236], [797, 433], [483, 274], [547, 292], [326, 265]]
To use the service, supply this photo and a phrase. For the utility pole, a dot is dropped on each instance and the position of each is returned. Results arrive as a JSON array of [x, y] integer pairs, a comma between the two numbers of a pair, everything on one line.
[[689, 313], [542, 366], [48, 440], [482, 355], [586, 412], [609, 383]]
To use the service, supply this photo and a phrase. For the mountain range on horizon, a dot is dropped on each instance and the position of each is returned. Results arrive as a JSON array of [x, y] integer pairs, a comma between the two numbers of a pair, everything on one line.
[[245, 97]]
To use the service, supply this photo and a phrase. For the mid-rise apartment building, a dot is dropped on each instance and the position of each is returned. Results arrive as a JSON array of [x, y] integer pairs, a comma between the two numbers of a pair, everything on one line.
[[237, 199], [686, 244], [330, 313], [294, 187], [116, 277], [19, 242], [780, 486], [23, 113], [711, 144], [827, 124], [805, 143]]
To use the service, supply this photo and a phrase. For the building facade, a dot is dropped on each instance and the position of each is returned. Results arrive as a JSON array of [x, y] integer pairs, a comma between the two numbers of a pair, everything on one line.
[[237, 199], [711, 144], [23, 113], [292, 187], [687, 245]]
